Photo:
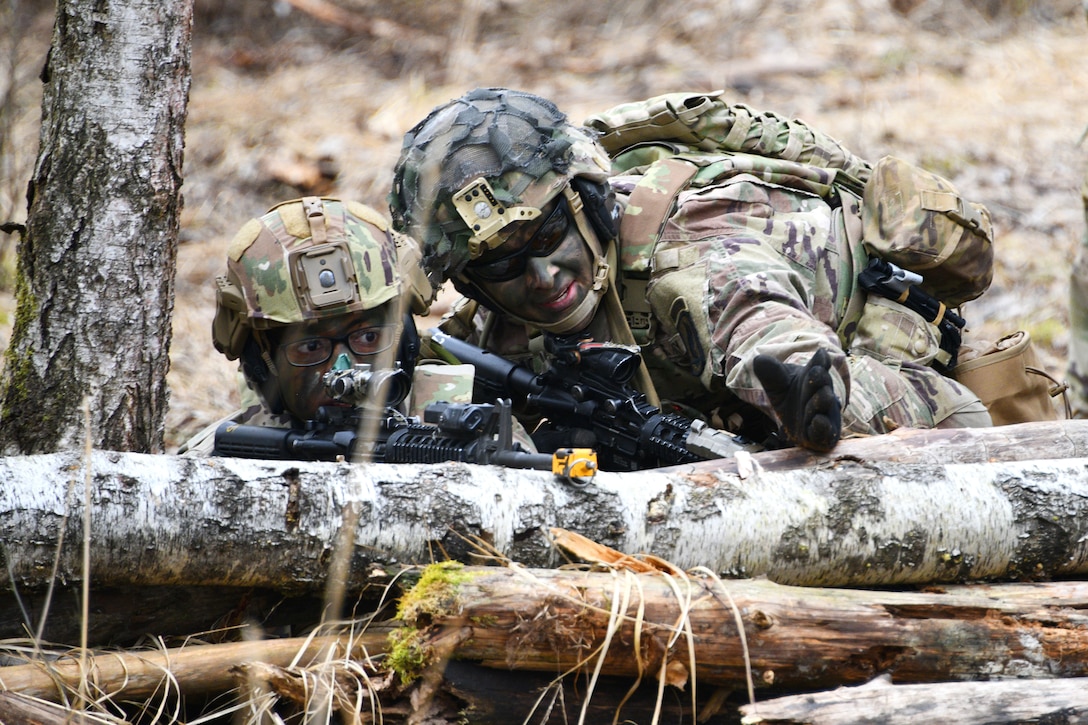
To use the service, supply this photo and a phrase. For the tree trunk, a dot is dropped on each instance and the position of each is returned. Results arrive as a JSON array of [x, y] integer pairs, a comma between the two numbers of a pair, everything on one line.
[[182, 521], [964, 703], [95, 278], [17, 145]]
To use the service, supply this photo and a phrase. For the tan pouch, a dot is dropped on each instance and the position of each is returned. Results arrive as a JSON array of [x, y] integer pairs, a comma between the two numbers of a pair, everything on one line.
[[1007, 378]]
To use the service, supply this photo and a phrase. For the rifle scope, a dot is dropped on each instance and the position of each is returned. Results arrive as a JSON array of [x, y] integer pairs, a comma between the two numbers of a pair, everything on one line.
[[361, 385]]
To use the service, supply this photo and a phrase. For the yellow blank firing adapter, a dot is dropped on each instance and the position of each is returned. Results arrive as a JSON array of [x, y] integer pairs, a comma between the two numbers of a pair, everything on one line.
[[576, 464], [486, 216]]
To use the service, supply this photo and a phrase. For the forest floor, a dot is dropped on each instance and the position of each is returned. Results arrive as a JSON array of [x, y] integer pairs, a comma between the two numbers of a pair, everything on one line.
[[992, 94]]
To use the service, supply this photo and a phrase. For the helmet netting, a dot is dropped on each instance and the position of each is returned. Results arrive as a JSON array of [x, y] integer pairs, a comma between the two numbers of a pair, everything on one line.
[[511, 138]]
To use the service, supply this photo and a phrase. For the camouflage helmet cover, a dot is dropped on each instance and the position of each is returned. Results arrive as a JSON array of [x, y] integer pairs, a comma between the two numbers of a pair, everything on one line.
[[521, 144], [304, 259]]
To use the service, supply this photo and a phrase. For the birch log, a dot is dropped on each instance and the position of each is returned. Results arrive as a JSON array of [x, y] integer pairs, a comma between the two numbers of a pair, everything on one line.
[[964, 703], [1025, 441], [178, 521]]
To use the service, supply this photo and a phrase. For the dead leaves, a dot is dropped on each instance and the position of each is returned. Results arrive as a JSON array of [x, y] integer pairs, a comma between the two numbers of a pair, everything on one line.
[[594, 553]]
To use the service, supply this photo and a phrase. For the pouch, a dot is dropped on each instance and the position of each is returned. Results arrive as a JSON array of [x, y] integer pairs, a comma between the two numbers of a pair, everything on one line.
[[888, 331], [1007, 378], [917, 220]]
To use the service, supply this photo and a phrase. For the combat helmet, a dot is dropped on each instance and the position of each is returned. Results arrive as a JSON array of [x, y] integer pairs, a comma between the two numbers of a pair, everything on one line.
[[492, 158], [309, 259]]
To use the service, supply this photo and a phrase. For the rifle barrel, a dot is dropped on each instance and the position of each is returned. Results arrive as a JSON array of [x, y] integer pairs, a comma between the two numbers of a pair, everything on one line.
[[494, 369]]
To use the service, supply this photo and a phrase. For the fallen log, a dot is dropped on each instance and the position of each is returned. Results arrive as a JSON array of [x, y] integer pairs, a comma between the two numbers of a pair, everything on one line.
[[601, 633], [964, 703], [792, 639], [1024, 441], [485, 695], [166, 520], [18, 708], [192, 669]]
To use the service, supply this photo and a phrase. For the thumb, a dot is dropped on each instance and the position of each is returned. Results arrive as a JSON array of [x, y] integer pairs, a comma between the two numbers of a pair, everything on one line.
[[774, 376], [820, 359]]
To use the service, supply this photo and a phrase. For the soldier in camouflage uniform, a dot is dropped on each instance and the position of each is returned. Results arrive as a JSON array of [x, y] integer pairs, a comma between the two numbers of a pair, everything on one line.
[[313, 283], [745, 299]]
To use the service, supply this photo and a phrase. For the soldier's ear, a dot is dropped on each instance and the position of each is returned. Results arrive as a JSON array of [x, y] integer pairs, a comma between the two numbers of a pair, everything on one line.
[[253, 364], [262, 378]]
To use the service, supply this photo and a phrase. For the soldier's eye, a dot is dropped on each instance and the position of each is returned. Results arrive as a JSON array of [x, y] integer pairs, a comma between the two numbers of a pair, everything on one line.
[[547, 238], [311, 351], [371, 340]]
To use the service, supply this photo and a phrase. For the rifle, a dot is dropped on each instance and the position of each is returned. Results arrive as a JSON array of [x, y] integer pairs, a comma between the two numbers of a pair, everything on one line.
[[588, 386], [467, 432]]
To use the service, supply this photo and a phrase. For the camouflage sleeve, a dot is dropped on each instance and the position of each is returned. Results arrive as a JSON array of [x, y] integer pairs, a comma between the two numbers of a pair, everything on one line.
[[747, 268], [744, 268], [203, 443], [760, 307], [882, 387]]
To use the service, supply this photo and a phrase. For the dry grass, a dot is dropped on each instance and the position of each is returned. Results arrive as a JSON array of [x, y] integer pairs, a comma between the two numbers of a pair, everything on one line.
[[992, 94]]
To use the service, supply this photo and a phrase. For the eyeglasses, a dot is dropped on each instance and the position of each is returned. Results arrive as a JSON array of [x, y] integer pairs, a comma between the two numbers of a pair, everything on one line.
[[547, 238], [316, 350]]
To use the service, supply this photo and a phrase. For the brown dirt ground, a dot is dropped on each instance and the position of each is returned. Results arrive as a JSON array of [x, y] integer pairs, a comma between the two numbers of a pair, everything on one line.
[[993, 94]]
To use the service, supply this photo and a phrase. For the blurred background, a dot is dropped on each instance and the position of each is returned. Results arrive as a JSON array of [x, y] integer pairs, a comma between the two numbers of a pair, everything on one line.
[[295, 97]]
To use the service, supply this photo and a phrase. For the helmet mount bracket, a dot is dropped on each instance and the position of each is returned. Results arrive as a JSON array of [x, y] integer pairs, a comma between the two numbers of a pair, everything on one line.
[[324, 275], [486, 216]]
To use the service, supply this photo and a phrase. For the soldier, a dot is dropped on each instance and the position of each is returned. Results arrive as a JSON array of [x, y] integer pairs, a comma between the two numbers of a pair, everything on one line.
[[311, 284], [746, 300]]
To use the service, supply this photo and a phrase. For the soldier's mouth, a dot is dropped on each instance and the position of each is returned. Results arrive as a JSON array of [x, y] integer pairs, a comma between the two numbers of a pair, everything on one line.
[[563, 299]]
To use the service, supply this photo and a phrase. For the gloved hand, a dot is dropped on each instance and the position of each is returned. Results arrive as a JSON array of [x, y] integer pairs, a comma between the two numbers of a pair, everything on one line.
[[804, 399]]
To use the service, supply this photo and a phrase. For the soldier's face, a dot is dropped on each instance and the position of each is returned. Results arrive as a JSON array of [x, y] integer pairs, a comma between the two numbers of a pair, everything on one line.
[[544, 269], [301, 352]]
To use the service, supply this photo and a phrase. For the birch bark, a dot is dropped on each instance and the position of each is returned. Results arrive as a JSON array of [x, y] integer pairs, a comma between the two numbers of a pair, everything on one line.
[[96, 264], [180, 521]]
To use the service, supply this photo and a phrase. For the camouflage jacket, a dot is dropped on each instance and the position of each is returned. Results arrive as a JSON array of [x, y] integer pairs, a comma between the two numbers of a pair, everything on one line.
[[761, 255]]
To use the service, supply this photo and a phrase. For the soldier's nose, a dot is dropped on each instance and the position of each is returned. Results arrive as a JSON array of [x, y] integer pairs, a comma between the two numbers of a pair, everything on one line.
[[539, 272]]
